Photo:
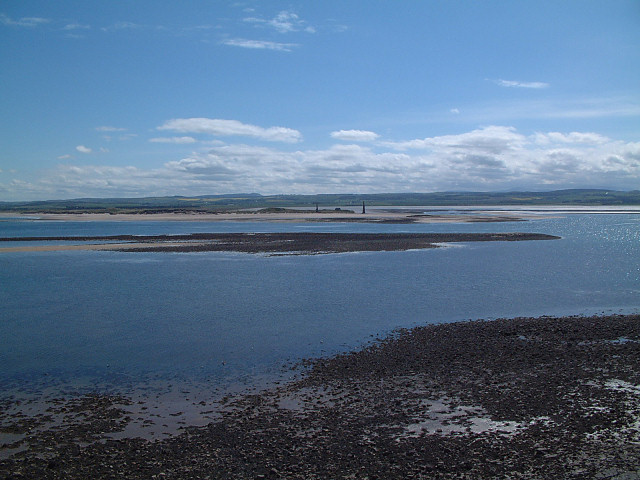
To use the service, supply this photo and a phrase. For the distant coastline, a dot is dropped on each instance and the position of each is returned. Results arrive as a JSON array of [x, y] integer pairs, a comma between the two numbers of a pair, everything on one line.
[[228, 203]]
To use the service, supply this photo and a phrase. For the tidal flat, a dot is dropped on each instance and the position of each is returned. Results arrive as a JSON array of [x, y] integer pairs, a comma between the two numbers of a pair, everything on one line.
[[547, 397], [301, 243]]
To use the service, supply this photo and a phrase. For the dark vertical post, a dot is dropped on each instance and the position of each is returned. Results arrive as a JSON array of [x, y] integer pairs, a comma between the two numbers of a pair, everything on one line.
[[317, 208], [363, 208]]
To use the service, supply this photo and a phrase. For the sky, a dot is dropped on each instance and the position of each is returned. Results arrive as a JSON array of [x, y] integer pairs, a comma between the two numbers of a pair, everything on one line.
[[151, 98]]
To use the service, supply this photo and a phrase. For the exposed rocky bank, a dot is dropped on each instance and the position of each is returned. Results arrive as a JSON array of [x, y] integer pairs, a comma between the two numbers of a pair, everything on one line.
[[520, 398], [301, 243]]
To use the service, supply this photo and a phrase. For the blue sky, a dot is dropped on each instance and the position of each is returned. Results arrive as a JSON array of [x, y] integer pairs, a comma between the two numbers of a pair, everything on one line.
[[115, 98]]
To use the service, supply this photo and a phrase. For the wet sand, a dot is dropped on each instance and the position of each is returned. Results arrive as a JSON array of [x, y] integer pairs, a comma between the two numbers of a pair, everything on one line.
[[300, 243], [375, 215], [520, 398]]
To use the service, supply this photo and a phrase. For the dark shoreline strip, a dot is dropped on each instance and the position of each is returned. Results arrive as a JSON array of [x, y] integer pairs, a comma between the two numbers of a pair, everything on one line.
[[290, 242]]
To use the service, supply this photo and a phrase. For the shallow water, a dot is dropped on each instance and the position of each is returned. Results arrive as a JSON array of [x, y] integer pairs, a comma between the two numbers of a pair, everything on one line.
[[121, 320]]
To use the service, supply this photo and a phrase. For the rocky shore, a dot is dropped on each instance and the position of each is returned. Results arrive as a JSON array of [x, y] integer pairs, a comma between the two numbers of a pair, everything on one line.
[[520, 398], [272, 243]]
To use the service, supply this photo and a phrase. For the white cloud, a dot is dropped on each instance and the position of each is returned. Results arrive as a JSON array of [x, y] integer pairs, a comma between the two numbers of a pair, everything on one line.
[[249, 168], [490, 158], [517, 84], [83, 149], [64, 157], [173, 140], [220, 127], [71, 180], [283, 22], [260, 44], [469, 160], [355, 135], [491, 139], [23, 22], [455, 111]]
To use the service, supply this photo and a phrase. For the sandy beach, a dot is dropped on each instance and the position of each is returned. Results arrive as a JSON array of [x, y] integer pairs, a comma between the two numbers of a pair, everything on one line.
[[520, 398], [63, 248], [374, 215]]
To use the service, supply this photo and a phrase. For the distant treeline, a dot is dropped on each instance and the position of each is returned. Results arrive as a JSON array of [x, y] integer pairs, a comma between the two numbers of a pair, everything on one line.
[[225, 203]]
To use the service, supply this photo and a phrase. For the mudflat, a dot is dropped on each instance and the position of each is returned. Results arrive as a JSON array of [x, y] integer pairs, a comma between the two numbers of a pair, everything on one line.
[[519, 398], [302, 243]]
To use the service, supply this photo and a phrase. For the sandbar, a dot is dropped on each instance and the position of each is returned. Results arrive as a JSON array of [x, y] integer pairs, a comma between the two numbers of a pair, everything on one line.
[[374, 215], [301, 243]]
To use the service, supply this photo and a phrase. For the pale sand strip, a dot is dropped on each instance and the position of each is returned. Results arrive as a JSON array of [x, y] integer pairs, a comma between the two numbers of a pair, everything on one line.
[[374, 217], [211, 217], [101, 246]]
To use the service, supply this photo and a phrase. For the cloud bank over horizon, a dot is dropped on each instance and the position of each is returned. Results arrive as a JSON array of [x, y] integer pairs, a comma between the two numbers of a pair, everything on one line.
[[484, 159]]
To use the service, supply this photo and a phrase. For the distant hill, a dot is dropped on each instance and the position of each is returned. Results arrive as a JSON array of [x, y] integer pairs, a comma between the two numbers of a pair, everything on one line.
[[220, 203]]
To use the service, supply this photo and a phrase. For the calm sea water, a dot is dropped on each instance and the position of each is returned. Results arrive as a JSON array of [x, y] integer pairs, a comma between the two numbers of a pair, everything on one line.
[[216, 317]]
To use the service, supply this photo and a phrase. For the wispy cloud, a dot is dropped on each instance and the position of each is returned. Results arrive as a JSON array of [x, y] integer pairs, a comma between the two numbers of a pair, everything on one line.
[[335, 26], [124, 26], [23, 22], [131, 26], [354, 135], [518, 84], [221, 127], [259, 44], [283, 22], [107, 128], [178, 140], [597, 108], [76, 26], [512, 110]]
